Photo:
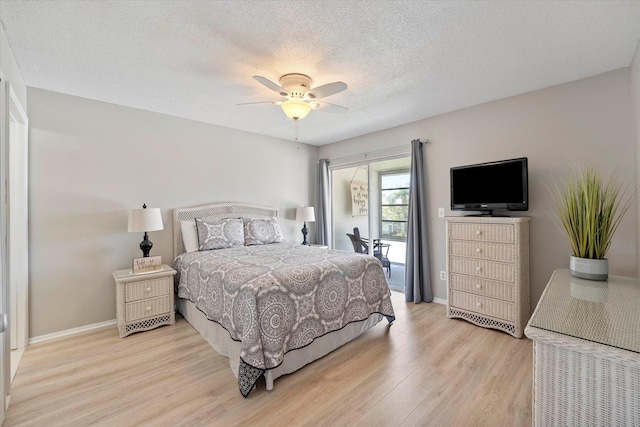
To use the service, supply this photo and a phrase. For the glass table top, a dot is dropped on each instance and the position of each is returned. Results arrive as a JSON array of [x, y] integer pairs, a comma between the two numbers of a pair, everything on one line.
[[603, 312]]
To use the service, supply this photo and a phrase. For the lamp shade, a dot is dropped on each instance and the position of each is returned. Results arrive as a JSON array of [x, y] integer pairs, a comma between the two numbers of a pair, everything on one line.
[[295, 109], [142, 220], [305, 214]]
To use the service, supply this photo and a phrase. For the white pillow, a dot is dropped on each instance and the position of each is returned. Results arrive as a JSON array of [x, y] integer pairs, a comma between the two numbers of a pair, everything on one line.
[[189, 235]]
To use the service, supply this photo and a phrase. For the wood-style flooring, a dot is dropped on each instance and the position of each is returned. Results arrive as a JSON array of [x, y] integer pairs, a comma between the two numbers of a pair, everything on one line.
[[424, 370]]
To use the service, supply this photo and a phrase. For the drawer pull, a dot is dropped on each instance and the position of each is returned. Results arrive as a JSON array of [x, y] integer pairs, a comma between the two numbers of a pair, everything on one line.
[[478, 268], [149, 308], [149, 289], [478, 250], [479, 286], [478, 304], [478, 232]]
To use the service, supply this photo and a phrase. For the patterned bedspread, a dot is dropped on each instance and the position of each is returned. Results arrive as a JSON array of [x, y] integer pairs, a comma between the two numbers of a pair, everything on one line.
[[279, 297]]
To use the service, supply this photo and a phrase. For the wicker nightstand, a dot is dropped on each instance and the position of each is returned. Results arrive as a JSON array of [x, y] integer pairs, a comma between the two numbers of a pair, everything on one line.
[[144, 301]]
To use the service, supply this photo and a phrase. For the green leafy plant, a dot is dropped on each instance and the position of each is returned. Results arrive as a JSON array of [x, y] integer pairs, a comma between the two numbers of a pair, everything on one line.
[[590, 209]]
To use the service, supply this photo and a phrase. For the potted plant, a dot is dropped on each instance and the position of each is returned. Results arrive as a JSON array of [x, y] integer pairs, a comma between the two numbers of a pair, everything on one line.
[[590, 209]]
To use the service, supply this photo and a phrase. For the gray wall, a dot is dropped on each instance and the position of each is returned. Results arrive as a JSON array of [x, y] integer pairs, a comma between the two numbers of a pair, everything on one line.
[[91, 162], [557, 128]]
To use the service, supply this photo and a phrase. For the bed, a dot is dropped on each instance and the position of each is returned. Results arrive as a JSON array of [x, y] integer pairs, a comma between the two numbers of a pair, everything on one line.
[[273, 308]]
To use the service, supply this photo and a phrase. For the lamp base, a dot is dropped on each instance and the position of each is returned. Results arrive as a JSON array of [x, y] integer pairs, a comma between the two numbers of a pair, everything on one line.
[[146, 245], [305, 231]]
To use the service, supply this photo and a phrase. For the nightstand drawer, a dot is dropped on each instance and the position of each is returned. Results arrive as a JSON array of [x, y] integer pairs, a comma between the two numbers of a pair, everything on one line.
[[148, 288], [487, 306], [482, 232], [481, 268], [147, 308], [482, 250], [486, 288]]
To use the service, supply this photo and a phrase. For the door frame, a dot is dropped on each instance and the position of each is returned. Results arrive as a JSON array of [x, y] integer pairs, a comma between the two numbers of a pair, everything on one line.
[[18, 227]]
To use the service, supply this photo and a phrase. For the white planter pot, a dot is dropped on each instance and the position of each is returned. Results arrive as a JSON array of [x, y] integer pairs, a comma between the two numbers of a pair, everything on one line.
[[590, 269]]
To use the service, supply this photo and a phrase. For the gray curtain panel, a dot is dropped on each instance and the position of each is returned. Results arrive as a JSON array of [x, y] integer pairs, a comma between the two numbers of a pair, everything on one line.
[[417, 273], [322, 215]]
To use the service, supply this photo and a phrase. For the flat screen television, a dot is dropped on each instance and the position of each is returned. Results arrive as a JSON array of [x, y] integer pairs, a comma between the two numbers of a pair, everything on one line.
[[493, 186]]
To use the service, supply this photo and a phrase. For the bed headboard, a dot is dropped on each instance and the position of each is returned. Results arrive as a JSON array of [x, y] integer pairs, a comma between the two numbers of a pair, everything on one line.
[[216, 211]]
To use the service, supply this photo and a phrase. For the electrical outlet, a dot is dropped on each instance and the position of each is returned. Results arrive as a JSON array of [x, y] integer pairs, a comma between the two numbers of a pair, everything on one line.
[[443, 275], [441, 212]]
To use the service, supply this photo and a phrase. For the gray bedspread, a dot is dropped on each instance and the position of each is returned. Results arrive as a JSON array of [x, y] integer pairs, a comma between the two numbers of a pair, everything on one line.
[[279, 297]]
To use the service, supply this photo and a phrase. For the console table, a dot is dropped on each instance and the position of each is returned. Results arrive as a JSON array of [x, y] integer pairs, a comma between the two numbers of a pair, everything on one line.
[[586, 344]]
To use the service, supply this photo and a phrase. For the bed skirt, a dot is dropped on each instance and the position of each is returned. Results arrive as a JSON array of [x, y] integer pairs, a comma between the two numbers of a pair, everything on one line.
[[219, 339]]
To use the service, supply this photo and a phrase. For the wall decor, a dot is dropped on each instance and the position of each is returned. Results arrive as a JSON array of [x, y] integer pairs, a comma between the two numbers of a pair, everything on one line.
[[147, 264], [359, 198]]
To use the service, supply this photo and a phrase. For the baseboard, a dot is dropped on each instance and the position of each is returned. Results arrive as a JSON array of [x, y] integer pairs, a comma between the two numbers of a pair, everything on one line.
[[73, 331], [440, 301]]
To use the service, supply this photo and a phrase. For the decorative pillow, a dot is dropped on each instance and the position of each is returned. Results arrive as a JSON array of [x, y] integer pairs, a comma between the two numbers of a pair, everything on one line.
[[189, 235], [219, 233], [262, 231]]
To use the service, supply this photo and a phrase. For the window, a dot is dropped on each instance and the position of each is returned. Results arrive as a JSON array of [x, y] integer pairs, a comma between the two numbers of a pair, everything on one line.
[[394, 197]]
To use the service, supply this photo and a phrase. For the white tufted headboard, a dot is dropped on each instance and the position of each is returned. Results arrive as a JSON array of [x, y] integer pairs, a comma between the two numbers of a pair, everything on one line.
[[216, 211]]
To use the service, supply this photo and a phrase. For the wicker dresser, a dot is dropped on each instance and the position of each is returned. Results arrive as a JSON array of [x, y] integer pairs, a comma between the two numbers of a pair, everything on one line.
[[144, 301], [488, 271], [586, 352]]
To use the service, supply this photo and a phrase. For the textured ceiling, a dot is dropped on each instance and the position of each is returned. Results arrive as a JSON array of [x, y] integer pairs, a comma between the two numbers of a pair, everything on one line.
[[403, 60]]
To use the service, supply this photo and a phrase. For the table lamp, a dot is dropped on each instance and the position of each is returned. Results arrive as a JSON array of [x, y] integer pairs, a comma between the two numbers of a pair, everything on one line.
[[143, 220], [305, 214]]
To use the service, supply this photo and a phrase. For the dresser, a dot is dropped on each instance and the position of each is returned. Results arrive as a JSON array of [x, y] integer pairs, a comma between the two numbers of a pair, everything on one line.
[[586, 352], [488, 271], [144, 301]]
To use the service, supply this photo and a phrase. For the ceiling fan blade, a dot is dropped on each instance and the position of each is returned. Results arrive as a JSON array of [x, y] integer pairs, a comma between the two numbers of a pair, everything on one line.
[[261, 102], [271, 85], [327, 90], [328, 107]]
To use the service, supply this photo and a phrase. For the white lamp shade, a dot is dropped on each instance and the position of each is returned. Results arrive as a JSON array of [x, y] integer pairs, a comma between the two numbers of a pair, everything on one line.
[[141, 220], [295, 109], [305, 214]]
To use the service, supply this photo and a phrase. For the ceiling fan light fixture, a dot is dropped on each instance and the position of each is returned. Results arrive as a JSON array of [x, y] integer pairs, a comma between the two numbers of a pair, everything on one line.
[[295, 109]]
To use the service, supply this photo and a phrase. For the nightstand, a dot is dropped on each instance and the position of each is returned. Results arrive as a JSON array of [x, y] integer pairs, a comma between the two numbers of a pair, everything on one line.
[[144, 301]]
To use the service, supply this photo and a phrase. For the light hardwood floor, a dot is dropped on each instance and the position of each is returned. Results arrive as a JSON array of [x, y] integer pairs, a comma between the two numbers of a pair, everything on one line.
[[423, 370]]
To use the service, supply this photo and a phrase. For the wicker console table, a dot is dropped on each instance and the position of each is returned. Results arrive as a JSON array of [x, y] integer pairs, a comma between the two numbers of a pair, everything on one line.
[[586, 344]]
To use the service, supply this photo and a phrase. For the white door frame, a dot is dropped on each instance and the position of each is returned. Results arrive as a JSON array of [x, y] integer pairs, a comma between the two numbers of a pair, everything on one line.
[[18, 227], [5, 369]]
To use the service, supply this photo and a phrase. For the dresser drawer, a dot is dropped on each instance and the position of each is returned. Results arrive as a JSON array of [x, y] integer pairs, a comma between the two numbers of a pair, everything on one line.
[[483, 250], [148, 288], [483, 269], [502, 233], [487, 288], [489, 307], [147, 308]]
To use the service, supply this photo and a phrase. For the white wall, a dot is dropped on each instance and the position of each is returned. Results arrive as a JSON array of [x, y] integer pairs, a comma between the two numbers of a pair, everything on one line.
[[557, 128], [91, 162], [9, 70], [342, 215]]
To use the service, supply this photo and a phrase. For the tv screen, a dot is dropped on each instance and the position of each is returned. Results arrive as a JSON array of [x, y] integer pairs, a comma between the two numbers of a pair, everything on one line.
[[485, 187]]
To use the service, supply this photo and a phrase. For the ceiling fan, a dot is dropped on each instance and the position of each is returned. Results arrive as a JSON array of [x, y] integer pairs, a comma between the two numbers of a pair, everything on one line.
[[299, 98]]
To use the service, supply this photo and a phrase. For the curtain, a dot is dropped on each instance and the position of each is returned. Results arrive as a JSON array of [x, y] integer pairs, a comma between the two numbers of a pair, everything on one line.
[[322, 216], [417, 273]]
